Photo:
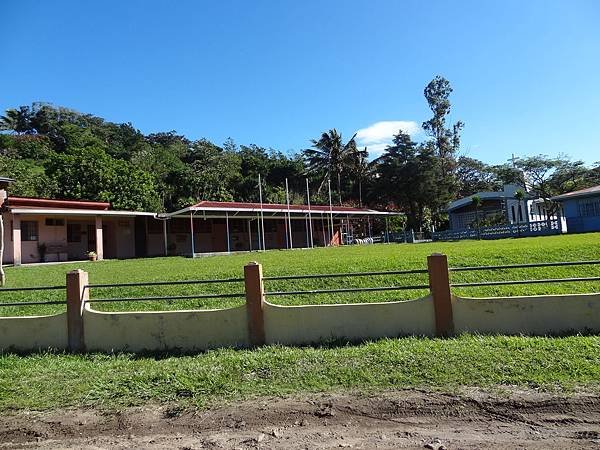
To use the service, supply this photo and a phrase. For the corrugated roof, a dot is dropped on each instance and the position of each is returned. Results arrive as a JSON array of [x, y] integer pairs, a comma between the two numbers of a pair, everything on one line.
[[580, 193], [277, 206], [28, 202]]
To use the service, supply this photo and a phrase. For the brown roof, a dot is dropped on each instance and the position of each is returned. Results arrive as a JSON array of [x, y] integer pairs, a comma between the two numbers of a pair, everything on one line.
[[26, 202]]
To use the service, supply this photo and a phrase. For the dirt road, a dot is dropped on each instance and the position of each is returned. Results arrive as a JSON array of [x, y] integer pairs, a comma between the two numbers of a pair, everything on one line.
[[400, 419]]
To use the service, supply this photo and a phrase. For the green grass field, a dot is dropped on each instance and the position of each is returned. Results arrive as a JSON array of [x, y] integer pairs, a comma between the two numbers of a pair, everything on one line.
[[113, 381], [52, 380], [323, 260]]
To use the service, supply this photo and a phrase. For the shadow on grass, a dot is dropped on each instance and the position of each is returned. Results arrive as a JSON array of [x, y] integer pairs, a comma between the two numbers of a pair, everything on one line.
[[331, 344]]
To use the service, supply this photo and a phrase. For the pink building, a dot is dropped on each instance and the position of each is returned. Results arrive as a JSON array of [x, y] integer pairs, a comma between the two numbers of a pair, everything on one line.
[[61, 230]]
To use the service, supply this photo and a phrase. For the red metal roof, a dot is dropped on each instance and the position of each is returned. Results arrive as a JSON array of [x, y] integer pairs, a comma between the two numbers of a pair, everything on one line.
[[25, 202], [267, 206]]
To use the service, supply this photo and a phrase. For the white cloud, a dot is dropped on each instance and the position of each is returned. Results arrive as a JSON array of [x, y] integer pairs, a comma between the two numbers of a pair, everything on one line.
[[380, 134]]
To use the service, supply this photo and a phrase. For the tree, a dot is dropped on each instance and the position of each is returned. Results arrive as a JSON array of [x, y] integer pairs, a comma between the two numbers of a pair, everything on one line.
[[444, 141], [93, 175], [406, 177], [359, 168], [16, 120], [474, 176], [547, 177], [329, 157]]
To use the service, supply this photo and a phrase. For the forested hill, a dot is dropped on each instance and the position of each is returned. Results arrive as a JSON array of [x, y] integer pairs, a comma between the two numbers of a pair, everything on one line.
[[55, 152]]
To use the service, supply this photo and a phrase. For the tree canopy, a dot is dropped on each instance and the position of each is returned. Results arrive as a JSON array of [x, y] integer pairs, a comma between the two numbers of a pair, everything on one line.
[[56, 152]]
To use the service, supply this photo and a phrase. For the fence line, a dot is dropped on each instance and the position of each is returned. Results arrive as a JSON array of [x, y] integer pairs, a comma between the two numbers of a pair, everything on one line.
[[521, 266], [439, 284]]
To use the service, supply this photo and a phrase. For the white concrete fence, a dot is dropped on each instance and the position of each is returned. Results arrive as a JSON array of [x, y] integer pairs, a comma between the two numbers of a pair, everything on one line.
[[259, 322]]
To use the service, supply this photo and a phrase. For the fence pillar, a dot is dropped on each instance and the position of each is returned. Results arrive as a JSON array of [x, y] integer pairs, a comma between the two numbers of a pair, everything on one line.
[[255, 298], [439, 285], [77, 294]]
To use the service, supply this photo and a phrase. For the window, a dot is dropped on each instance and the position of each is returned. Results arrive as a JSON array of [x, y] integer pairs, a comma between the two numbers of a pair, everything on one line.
[[29, 231], [589, 207], [73, 232], [50, 222]]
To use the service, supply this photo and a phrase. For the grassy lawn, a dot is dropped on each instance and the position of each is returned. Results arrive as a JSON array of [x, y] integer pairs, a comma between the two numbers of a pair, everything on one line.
[[112, 381], [51, 380], [323, 260]]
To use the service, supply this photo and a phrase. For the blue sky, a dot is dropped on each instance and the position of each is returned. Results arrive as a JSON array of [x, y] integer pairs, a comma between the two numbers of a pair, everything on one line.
[[277, 73]]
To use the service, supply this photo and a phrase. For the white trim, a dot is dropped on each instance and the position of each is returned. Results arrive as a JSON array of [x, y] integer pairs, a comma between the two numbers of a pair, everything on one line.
[[369, 212]]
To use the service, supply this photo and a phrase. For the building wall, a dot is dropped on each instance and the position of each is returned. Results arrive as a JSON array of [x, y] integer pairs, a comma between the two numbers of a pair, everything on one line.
[[577, 223]]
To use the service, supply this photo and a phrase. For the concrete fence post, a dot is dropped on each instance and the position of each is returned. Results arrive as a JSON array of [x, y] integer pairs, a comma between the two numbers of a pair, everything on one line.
[[439, 285], [255, 298], [77, 294]]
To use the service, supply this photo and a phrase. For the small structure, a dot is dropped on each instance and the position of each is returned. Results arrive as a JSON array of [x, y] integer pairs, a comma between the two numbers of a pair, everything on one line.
[[581, 209], [500, 215], [501, 207], [41, 230], [212, 227]]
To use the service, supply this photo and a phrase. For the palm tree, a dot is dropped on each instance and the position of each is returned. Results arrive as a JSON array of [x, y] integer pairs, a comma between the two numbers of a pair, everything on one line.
[[476, 201], [359, 167], [519, 196], [16, 120], [329, 155]]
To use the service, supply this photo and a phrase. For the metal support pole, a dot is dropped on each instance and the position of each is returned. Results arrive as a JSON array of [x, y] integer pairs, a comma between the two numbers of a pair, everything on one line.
[[262, 216], [227, 226], [387, 231], [258, 231], [306, 228], [323, 229], [192, 234], [287, 196], [249, 235], [330, 213], [312, 244]]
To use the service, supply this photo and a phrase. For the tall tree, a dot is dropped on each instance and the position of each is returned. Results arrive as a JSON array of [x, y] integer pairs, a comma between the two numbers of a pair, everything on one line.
[[406, 177], [359, 168], [444, 140], [329, 157]]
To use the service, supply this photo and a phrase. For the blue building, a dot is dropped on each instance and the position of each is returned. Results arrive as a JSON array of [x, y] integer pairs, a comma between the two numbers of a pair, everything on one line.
[[581, 209]]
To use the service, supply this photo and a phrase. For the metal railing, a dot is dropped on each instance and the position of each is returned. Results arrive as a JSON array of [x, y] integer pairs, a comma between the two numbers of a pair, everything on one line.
[[165, 297], [33, 302], [345, 275], [524, 266], [276, 293]]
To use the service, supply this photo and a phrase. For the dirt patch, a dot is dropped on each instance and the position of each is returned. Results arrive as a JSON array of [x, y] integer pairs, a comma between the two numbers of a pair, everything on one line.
[[400, 419]]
